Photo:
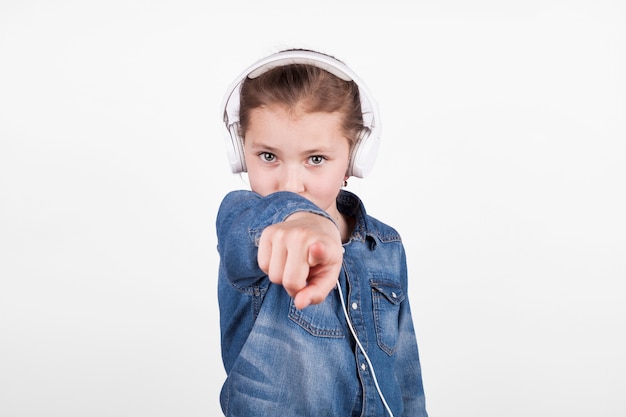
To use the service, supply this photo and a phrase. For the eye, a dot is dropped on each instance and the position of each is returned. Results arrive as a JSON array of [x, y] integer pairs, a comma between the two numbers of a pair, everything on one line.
[[317, 160], [267, 156]]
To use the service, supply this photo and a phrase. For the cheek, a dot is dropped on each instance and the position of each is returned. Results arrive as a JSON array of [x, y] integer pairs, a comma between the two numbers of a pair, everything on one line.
[[259, 183], [329, 186]]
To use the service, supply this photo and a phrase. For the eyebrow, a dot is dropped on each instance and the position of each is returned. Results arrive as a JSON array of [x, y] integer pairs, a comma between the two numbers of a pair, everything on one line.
[[272, 149], [256, 145]]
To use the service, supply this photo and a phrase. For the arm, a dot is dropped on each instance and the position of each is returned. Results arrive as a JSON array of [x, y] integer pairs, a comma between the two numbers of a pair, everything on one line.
[[283, 236], [408, 368]]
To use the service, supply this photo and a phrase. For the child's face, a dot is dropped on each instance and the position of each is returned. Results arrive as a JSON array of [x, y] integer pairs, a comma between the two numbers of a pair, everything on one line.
[[305, 153]]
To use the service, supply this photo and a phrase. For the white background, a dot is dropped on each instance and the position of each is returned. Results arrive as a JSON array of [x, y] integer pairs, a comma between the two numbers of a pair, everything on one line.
[[503, 166]]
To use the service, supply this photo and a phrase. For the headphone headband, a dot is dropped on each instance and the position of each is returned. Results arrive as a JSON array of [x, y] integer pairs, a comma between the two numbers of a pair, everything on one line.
[[368, 143]]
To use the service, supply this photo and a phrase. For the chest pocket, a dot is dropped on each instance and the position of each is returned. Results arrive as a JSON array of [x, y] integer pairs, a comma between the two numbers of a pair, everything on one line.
[[387, 297], [319, 319]]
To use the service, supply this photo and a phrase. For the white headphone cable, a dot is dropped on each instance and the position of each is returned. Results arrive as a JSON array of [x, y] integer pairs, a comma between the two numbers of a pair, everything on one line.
[[345, 312]]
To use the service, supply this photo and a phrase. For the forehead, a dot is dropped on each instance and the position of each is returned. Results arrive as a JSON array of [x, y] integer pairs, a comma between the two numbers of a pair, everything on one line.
[[278, 117], [274, 125]]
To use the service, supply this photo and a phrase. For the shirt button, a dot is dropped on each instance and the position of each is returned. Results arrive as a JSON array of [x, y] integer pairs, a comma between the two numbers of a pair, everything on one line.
[[363, 366], [393, 294], [355, 306]]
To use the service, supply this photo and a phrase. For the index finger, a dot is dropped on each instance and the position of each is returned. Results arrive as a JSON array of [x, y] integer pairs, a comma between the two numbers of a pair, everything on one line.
[[323, 276]]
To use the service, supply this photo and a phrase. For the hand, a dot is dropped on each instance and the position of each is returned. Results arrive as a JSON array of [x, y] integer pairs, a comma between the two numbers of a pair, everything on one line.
[[303, 254]]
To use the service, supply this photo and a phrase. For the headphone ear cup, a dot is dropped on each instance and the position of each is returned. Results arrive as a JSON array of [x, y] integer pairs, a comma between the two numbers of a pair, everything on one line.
[[234, 149], [364, 154]]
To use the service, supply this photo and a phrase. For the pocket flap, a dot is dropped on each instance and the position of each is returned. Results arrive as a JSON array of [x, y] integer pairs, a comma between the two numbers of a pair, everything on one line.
[[391, 291]]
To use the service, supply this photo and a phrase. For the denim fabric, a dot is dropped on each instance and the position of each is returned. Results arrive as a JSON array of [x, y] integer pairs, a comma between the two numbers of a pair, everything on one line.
[[281, 361]]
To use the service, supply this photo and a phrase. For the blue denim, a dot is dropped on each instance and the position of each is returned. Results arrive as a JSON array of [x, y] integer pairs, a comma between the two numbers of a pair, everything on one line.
[[281, 361]]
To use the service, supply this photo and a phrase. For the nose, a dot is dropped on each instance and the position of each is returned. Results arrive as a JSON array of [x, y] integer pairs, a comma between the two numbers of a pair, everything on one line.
[[292, 180]]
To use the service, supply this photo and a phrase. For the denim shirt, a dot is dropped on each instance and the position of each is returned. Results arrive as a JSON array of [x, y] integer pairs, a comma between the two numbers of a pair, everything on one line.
[[281, 361]]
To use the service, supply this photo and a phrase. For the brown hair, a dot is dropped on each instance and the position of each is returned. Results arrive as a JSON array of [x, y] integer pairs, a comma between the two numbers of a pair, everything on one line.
[[307, 87]]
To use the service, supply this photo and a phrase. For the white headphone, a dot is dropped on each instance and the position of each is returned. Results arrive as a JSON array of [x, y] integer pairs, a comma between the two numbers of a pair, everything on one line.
[[366, 147]]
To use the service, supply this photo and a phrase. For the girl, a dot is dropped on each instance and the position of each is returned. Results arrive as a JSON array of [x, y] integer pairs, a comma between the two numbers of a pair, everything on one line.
[[314, 314]]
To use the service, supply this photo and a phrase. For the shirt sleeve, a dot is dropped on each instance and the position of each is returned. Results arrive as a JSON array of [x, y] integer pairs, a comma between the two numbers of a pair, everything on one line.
[[408, 367], [242, 217]]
